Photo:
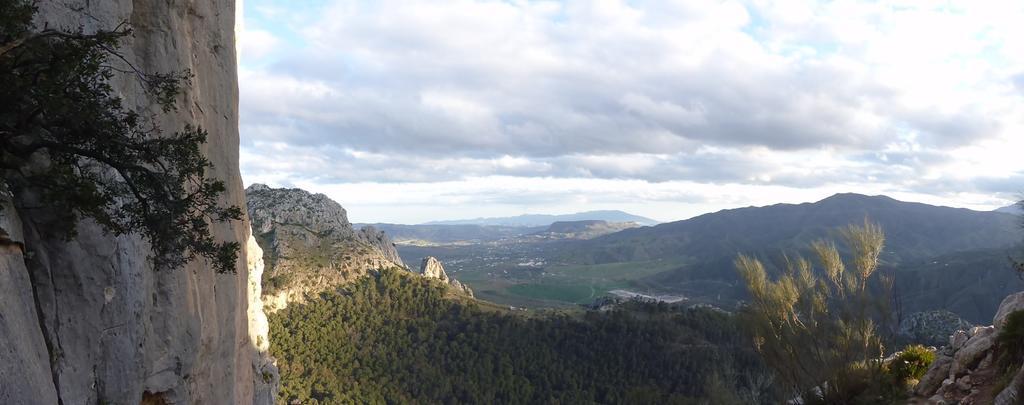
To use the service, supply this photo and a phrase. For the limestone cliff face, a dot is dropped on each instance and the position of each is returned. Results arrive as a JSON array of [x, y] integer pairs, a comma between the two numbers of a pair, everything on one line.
[[430, 267], [87, 320], [309, 245], [24, 365]]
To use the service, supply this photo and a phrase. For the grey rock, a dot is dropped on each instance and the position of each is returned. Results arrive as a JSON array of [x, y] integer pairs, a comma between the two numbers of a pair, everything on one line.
[[24, 361], [1011, 395], [964, 383], [976, 330], [430, 267], [1010, 304], [937, 399], [975, 349], [958, 339], [269, 207], [380, 241], [309, 245], [116, 329], [932, 379]]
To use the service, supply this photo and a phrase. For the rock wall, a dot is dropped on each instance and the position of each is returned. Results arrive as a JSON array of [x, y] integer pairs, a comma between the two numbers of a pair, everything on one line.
[[24, 360], [87, 320], [380, 241], [309, 245]]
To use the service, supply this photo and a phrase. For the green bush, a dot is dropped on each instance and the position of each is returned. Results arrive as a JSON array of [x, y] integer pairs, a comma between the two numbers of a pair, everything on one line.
[[911, 363], [1011, 340]]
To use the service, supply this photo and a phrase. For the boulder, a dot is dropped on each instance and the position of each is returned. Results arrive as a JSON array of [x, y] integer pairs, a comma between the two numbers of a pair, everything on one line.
[[932, 379], [958, 339], [975, 349], [1013, 302]]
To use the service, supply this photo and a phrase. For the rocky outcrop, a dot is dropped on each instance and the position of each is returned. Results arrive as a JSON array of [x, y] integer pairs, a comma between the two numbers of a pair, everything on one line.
[[931, 328], [1012, 303], [965, 370], [309, 246], [430, 267], [272, 207], [88, 320], [379, 240]]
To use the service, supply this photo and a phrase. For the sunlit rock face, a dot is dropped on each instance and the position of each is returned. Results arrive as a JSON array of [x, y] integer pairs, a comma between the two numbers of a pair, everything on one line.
[[431, 267], [309, 246], [87, 320]]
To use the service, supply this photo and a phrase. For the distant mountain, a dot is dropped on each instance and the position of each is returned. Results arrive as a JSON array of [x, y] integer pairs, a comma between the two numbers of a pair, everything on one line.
[[588, 229], [1015, 209], [971, 284], [441, 234], [545, 220], [913, 230]]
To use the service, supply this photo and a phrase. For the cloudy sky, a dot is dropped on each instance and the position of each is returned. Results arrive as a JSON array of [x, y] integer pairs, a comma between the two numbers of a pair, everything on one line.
[[411, 111]]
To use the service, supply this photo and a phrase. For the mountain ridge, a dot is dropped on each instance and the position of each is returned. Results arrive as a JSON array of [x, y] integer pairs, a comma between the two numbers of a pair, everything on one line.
[[805, 222], [548, 219], [915, 233]]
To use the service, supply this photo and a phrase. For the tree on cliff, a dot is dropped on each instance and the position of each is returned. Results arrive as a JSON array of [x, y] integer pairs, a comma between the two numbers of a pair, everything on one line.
[[67, 141]]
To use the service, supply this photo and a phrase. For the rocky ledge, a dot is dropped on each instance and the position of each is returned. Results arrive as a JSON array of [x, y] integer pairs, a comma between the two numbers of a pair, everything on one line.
[[965, 371]]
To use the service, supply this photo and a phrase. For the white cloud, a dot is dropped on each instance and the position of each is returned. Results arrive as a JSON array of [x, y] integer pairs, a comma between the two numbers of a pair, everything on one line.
[[893, 96], [256, 44]]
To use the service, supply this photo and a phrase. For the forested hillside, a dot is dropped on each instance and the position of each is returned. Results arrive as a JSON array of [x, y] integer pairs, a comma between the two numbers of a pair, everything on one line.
[[396, 338], [939, 244]]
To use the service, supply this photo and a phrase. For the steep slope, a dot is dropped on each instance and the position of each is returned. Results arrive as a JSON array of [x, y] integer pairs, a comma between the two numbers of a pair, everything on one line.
[[309, 246], [545, 220], [971, 284], [90, 319]]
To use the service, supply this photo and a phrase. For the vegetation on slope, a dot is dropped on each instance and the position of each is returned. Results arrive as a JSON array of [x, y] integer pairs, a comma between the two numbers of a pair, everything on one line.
[[396, 338]]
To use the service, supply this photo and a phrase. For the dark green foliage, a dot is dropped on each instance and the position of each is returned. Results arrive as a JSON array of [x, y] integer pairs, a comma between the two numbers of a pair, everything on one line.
[[396, 338], [911, 363], [1011, 340], [68, 143]]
